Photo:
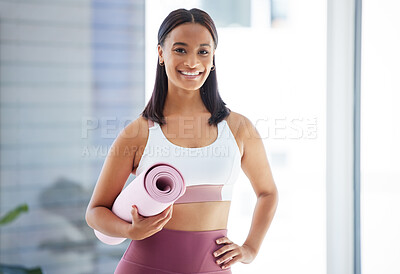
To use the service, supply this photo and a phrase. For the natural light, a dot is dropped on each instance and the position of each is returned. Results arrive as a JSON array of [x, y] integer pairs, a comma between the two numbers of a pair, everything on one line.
[[274, 73]]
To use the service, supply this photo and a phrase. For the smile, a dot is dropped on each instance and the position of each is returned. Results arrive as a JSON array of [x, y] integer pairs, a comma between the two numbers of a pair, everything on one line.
[[190, 73]]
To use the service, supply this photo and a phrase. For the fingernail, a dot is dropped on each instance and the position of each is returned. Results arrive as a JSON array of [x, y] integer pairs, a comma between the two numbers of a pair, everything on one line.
[[218, 241], [215, 254], [223, 267]]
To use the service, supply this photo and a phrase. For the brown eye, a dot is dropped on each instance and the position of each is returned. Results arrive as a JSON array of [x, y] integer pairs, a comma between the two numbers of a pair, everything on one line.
[[178, 50]]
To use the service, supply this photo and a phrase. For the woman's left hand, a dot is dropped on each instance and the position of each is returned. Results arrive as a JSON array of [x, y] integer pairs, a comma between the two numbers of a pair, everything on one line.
[[234, 253]]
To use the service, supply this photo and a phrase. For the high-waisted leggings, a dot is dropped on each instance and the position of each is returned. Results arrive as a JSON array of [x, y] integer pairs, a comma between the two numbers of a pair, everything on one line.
[[174, 251]]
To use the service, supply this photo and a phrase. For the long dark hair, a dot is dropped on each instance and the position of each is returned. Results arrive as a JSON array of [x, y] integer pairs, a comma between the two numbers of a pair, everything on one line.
[[208, 91]]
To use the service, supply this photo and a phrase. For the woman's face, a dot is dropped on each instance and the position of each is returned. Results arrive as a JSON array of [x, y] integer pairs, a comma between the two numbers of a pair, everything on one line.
[[188, 49]]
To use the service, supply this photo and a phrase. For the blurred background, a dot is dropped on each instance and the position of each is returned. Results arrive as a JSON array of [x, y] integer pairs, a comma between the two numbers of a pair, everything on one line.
[[74, 73]]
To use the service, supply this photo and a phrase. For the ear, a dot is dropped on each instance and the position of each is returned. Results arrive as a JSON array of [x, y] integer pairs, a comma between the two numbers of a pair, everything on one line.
[[160, 53]]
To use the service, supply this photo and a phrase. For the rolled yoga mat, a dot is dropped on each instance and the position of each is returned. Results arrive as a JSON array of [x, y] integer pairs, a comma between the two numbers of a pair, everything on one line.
[[152, 192]]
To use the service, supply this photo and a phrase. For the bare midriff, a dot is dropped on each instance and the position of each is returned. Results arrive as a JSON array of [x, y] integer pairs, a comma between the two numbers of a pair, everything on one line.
[[199, 216]]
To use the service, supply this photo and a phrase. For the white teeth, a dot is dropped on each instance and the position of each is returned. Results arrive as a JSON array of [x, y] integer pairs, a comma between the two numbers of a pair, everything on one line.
[[190, 73]]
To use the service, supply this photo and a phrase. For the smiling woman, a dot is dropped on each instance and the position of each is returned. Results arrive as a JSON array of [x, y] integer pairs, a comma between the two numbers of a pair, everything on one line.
[[190, 236], [187, 55]]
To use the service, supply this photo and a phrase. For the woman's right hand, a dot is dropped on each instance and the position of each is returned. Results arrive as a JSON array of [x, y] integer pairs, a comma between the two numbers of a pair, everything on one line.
[[143, 227]]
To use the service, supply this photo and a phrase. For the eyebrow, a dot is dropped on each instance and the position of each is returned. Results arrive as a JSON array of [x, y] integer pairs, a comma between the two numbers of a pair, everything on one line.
[[184, 44]]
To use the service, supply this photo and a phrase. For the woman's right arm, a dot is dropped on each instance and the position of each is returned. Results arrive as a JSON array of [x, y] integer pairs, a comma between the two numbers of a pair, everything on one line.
[[115, 171]]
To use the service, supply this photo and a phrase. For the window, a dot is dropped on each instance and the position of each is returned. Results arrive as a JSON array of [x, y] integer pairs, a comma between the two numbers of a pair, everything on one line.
[[277, 78], [380, 135]]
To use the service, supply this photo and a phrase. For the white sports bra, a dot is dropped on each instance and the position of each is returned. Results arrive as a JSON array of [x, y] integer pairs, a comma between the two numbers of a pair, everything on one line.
[[209, 172]]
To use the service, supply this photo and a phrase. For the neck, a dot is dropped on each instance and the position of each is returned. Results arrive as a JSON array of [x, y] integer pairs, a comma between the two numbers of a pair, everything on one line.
[[184, 102]]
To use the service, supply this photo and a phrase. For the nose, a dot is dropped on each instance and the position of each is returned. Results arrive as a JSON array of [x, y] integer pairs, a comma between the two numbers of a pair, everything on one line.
[[191, 60]]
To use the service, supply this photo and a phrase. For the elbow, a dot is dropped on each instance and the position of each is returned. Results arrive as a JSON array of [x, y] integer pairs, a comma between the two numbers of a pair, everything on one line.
[[275, 194], [88, 217], [272, 195]]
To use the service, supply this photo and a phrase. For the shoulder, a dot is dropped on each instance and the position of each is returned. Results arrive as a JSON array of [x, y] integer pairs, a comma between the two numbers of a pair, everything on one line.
[[134, 133], [240, 125], [133, 129], [242, 128]]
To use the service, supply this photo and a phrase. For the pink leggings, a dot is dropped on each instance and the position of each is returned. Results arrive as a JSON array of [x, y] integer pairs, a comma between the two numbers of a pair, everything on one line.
[[173, 251]]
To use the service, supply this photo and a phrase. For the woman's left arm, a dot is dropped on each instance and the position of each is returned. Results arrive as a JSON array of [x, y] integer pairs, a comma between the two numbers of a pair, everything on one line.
[[256, 167]]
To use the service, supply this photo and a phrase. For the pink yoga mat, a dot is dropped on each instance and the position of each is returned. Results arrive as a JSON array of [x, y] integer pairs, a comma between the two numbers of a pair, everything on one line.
[[152, 191]]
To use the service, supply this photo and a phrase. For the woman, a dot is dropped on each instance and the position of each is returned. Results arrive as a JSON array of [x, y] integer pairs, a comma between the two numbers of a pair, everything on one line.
[[186, 124]]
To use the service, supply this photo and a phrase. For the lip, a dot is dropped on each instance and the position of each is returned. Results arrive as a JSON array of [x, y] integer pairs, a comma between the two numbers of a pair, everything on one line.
[[190, 77]]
